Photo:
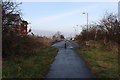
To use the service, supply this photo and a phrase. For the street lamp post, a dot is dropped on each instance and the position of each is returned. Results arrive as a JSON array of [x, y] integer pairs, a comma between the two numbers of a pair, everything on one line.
[[87, 27], [87, 19]]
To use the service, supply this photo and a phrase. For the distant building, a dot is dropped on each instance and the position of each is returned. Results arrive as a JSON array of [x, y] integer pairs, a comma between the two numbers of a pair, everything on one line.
[[24, 27], [19, 26], [119, 10]]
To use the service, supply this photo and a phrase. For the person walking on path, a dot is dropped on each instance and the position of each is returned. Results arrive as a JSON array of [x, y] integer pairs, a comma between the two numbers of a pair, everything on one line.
[[65, 45]]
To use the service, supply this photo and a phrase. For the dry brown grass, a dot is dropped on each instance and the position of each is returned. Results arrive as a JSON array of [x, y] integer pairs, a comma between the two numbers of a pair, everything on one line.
[[103, 60], [44, 40], [103, 64]]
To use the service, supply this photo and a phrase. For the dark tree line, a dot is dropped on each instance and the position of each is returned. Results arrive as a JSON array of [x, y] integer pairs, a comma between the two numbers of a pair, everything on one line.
[[107, 29], [9, 38]]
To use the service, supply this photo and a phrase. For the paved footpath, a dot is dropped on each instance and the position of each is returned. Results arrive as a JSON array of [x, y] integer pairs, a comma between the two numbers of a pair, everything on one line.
[[67, 63]]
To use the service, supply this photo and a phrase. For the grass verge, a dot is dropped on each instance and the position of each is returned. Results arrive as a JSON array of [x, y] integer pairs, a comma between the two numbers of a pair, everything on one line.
[[103, 62], [31, 65]]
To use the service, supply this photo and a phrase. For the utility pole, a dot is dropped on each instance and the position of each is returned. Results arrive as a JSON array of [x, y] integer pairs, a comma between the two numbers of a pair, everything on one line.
[[87, 43]]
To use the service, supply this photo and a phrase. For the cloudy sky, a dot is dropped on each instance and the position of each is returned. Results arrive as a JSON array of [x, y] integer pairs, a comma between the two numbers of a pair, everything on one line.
[[46, 18]]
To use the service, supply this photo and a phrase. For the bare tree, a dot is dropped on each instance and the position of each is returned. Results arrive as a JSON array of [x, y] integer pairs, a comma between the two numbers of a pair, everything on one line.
[[107, 29], [58, 36], [62, 37], [9, 38], [110, 25], [8, 9]]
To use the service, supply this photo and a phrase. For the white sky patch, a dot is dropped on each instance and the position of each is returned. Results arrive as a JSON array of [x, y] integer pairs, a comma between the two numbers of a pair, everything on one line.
[[68, 0], [56, 17]]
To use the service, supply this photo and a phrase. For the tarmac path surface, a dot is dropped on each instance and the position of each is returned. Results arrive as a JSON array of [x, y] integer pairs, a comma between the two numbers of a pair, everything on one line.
[[67, 63]]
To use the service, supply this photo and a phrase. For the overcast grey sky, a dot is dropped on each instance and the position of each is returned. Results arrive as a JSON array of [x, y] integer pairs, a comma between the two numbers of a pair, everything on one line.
[[48, 17]]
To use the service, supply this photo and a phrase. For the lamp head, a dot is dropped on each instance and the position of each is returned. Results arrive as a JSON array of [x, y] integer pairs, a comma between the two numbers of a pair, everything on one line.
[[83, 13]]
